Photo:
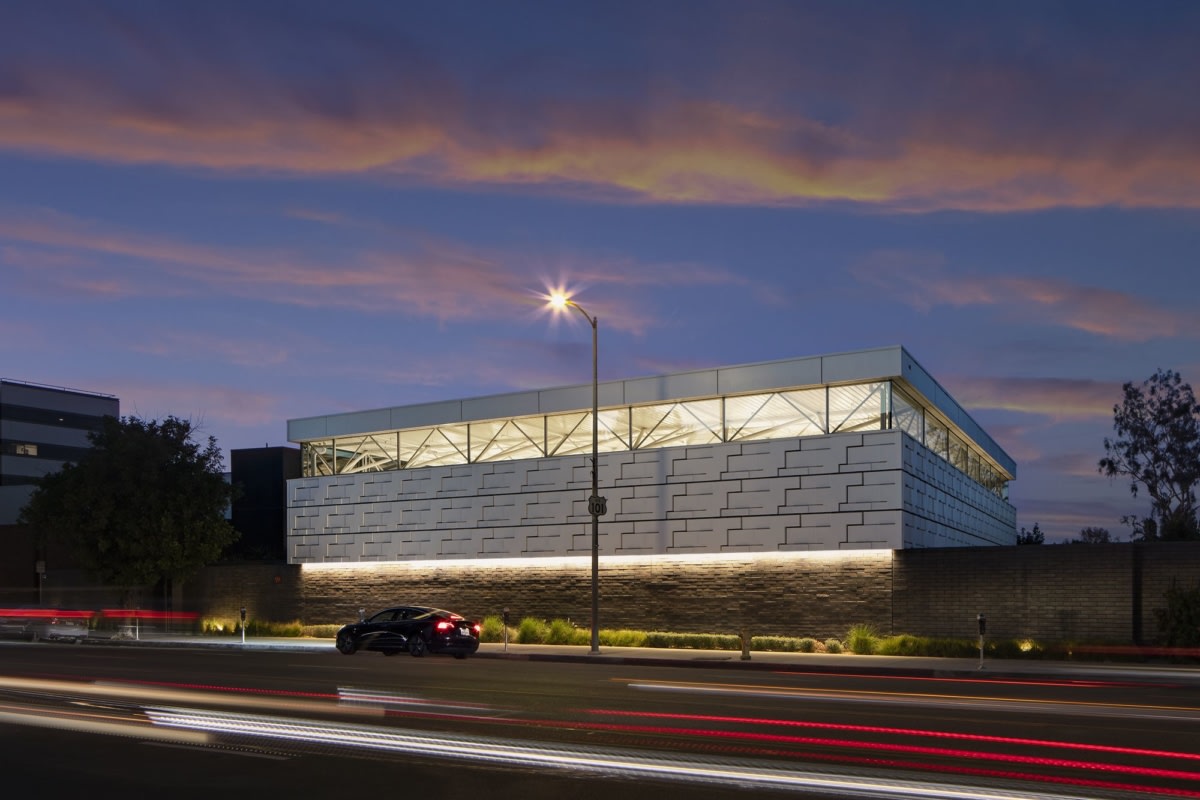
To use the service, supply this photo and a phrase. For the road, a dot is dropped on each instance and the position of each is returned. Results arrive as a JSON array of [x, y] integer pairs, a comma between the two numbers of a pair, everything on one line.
[[202, 722]]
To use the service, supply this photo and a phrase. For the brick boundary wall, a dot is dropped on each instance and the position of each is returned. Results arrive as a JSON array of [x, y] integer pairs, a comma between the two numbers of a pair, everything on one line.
[[1096, 593], [783, 597], [1100, 593], [270, 592]]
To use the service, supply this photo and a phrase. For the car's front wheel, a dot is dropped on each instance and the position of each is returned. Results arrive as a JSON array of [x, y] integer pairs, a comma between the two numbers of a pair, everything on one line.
[[345, 643]]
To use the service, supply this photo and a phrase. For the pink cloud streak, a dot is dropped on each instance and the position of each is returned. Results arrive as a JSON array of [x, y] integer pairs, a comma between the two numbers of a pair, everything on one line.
[[439, 279], [924, 283]]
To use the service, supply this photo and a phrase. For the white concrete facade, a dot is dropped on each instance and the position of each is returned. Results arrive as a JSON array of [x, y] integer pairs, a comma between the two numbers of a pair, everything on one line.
[[840, 491]]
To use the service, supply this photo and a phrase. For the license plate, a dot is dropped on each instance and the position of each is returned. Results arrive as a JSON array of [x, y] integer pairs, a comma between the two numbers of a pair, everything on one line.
[[465, 631]]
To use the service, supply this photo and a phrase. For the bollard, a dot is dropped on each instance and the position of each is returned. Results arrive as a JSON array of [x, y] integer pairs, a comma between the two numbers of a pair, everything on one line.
[[745, 637]]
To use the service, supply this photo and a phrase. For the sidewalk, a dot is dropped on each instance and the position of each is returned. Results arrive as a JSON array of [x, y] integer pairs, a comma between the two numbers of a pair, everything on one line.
[[910, 666]]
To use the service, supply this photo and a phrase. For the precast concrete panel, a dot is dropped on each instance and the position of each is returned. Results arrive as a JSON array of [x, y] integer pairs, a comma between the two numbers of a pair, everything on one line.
[[855, 491]]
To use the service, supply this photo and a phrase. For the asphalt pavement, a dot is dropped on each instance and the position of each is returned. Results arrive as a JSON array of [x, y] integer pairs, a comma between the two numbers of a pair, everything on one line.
[[915, 666]]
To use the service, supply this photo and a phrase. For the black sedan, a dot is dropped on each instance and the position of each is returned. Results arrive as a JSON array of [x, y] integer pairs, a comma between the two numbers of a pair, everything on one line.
[[413, 629]]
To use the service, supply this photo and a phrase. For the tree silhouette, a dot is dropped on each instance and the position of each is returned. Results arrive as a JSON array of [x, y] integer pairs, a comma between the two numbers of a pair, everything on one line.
[[1034, 536], [144, 504], [1158, 449]]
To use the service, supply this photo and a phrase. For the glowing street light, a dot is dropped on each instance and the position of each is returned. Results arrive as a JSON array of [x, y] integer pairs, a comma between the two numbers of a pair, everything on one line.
[[596, 503]]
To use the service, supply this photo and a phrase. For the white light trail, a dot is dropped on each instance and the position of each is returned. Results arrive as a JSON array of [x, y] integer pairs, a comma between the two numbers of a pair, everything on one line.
[[500, 751]]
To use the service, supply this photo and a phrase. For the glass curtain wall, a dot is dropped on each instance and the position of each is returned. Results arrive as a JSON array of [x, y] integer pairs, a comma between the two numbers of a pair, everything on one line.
[[773, 415]]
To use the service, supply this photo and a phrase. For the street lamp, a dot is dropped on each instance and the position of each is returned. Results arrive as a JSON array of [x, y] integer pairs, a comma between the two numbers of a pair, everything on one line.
[[596, 503]]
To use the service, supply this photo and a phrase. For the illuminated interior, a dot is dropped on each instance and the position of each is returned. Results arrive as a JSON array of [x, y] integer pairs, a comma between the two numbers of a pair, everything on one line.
[[784, 414]]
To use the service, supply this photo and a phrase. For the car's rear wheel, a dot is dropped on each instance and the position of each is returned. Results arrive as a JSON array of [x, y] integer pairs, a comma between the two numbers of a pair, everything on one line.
[[346, 644], [417, 646]]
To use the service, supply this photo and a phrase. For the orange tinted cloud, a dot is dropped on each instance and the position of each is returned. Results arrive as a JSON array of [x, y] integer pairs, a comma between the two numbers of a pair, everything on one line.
[[1060, 398], [709, 154], [803, 105]]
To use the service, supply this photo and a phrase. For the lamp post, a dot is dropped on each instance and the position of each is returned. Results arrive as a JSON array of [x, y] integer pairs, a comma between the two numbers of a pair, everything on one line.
[[596, 503]]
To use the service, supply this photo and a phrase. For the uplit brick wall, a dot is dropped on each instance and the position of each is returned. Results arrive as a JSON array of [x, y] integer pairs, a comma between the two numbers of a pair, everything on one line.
[[1096, 593], [269, 592], [798, 596]]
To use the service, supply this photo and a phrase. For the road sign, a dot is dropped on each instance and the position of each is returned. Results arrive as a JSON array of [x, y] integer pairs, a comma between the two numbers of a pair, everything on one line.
[[597, 506]]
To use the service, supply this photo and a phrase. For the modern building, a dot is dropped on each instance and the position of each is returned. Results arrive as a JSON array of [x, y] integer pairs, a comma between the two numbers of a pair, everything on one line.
[[259, 511], [41, 429], [847, 452]]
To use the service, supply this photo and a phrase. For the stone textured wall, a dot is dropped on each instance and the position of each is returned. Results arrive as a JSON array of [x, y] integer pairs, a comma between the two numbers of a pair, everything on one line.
[[848, 491], [1095, 593], [270, 592], [783, 596], [1072, 592]]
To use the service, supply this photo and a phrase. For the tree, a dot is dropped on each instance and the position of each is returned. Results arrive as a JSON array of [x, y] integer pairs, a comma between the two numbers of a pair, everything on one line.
[[1094, 536], [1034, 536], [1158, 448], [144, 504], [1179, 622]]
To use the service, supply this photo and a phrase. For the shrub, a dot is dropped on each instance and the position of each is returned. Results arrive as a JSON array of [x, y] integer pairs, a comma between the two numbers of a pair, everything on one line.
[[1179, 622], [951, 648], [256, 627], [321, 631], [775, 644], [694, 641], [532, 631], [807, 645], [560, 631], [833, 646], [1028, 648], [491, 629], [621, 638], [861, 640], [903, 645]]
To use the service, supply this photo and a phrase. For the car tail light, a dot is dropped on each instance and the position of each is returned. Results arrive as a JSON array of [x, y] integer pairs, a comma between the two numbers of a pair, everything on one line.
[[445, 625], [477, 628]]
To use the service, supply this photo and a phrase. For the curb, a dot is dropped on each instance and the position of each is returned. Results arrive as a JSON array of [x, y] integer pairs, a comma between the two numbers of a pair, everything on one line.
[[992, 670]]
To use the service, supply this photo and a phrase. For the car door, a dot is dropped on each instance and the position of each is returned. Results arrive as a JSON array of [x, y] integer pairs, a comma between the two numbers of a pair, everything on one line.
[[399, 629], [379, 630]]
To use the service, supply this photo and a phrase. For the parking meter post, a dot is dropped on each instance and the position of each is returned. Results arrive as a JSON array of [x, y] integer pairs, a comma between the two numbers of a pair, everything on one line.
[[243, 624], [745, 637], [505, 620], [982, 620]]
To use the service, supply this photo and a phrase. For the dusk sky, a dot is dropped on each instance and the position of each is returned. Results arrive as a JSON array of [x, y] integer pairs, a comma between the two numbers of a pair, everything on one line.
[[245, 212]]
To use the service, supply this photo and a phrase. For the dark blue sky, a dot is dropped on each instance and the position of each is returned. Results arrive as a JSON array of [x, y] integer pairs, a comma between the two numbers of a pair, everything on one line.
[[242, 212]]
